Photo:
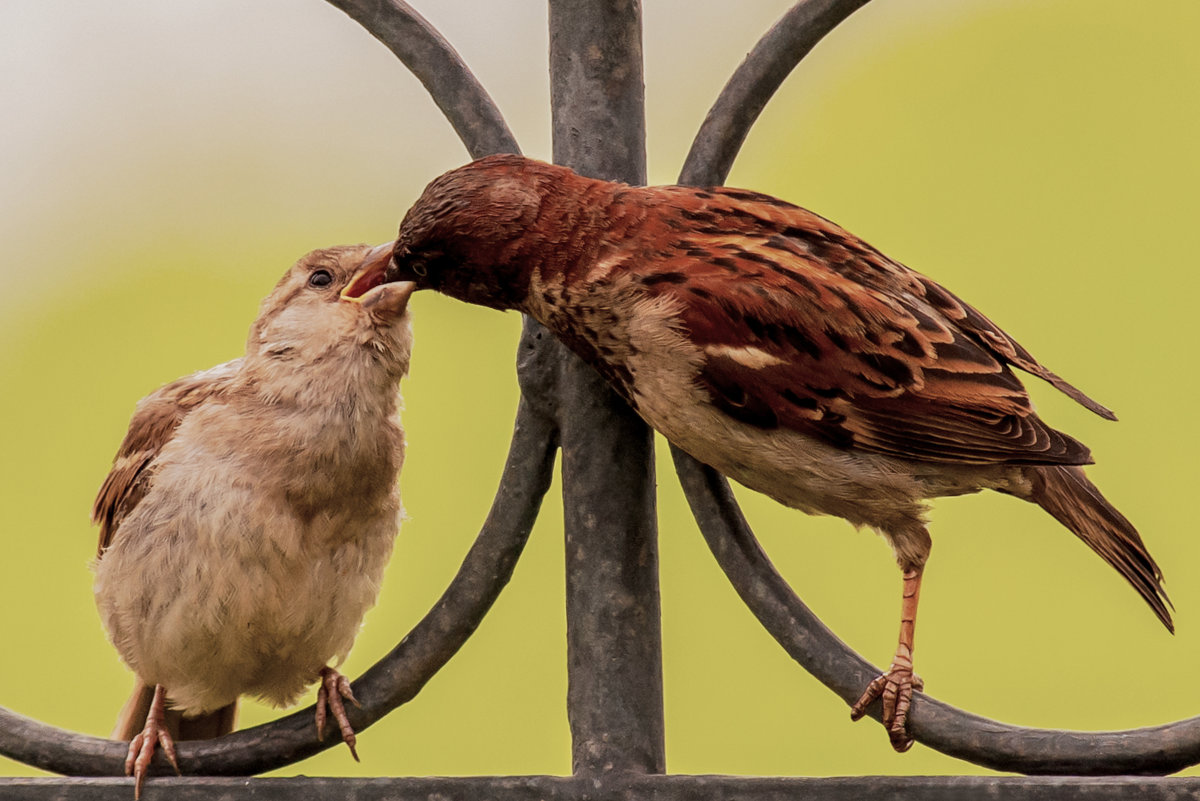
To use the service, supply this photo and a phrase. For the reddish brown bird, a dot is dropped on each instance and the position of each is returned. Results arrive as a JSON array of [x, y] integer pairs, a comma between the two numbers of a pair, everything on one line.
[[777, 347], [251, 510]]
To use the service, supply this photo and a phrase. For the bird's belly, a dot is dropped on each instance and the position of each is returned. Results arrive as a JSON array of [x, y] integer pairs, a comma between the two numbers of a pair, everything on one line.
[[237, 598], [795, 469]]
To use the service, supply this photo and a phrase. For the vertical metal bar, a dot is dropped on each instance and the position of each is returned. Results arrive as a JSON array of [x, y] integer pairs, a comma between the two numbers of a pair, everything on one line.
[[597, 98], [614, 640]]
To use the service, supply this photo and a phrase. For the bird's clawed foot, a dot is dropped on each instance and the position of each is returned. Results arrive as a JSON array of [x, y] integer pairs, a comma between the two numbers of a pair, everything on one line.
[[895, 688], [335, 687], [141, 747]]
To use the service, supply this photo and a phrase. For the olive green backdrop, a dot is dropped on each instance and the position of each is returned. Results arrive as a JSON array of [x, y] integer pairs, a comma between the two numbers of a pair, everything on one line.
[[162, 164]]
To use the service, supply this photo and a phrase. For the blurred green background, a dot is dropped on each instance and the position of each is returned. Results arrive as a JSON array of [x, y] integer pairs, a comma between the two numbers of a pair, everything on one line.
[[162, 164]]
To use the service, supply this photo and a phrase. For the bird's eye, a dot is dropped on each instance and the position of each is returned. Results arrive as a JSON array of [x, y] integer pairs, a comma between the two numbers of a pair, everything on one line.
[[320, 279], [418, 268]]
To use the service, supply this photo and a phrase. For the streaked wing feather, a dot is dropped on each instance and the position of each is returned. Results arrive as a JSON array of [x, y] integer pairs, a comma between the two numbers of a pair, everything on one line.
[[807, 327], [154, 422]]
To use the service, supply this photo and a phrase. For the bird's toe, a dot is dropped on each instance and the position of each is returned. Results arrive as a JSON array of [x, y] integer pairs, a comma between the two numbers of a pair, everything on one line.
[[335, 687], [894, 689]]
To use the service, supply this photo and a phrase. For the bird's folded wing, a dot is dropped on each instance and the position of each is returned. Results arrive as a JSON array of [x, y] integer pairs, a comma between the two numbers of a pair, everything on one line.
[[804, 326], [154, 422]]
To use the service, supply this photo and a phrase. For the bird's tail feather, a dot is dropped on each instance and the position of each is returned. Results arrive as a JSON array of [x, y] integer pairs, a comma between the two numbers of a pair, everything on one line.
[[1066, 493], [200, 727]]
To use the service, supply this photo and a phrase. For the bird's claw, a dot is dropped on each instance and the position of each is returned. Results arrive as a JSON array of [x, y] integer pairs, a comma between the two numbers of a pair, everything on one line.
[[143, 744], [334, 687], [895, 688]]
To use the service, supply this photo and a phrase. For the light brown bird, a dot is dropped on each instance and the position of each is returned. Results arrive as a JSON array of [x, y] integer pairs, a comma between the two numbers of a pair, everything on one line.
[[777, 347], [252, 507]]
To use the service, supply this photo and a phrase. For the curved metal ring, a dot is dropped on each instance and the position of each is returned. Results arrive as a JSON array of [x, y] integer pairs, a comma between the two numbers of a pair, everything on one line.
[[488, 566], [392, 681], [752, 84], [1155, 750], [435, 63]]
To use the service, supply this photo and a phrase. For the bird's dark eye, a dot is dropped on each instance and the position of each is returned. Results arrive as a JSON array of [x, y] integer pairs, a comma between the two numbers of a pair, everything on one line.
[[418, 268], [320, 279]]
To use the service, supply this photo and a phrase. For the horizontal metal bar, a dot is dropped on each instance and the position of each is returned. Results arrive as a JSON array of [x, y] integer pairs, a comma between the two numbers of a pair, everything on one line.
[[624, 787]]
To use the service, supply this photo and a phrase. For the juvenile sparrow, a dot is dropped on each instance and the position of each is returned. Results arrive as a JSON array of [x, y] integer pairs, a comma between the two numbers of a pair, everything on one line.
[[776, 347], [252, 507]]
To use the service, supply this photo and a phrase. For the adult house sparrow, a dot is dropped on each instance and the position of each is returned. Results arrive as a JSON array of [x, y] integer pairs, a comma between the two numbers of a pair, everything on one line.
[[252, 507], [778, 348]]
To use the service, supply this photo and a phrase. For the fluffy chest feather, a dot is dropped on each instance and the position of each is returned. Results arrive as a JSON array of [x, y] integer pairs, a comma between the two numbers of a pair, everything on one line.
[[258, 548]]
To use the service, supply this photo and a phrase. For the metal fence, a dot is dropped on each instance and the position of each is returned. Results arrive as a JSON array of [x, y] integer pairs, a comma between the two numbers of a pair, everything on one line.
[[615, 696]]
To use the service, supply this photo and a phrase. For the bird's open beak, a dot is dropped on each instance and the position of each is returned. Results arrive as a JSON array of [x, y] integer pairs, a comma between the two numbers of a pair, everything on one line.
[[368, 288]]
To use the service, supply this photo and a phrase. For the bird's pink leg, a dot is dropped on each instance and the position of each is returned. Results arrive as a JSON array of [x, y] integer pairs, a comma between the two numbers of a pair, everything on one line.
[[334, 687], [896, 686], [141, 747]]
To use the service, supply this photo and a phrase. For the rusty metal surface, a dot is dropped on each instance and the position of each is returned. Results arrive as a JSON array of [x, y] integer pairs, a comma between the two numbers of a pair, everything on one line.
[[613, 788], [614, 640]]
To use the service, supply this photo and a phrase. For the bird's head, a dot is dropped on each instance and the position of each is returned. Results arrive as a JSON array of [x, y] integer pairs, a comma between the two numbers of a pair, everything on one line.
[[335, 300], [466, 236]]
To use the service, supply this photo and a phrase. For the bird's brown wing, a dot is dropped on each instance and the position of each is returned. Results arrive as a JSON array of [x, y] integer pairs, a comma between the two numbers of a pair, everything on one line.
[[154, 422], [805, 326]]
